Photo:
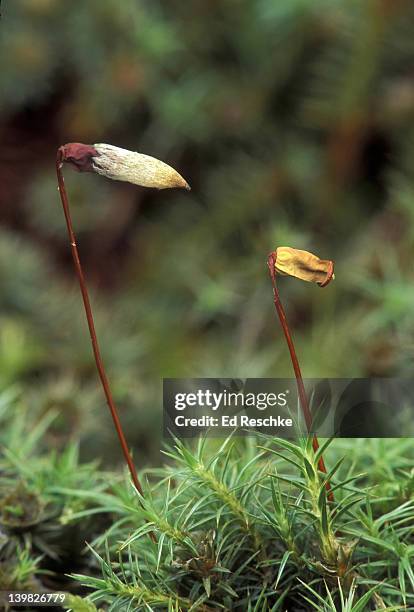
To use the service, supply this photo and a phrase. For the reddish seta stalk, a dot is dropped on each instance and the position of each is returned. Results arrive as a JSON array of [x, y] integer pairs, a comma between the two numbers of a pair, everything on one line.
[[89, 316], [271, 261]]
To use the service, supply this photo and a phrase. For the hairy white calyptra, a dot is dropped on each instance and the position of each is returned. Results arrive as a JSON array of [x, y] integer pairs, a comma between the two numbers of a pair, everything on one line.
[[123, 165]]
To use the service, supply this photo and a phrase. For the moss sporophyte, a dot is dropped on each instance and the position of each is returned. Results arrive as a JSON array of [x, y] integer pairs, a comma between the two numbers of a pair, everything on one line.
[[306, 266], [122, 165]]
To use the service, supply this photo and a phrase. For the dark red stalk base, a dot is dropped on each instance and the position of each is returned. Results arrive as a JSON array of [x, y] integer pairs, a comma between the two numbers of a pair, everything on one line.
[[87, 305], [271, 260]]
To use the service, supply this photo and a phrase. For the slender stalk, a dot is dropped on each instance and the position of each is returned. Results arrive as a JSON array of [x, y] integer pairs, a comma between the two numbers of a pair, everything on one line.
[[89, 316], [303, 398]]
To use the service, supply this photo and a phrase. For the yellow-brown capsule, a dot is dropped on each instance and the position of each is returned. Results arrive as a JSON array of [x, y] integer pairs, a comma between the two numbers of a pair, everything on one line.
[[303, 265]]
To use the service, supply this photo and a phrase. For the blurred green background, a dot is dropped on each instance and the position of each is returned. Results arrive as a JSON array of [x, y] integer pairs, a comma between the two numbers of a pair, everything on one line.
[[293, 121]]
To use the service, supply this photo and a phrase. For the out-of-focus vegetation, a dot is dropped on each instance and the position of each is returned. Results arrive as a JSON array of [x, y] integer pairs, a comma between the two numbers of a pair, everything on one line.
[[293, 122], [41, 537]]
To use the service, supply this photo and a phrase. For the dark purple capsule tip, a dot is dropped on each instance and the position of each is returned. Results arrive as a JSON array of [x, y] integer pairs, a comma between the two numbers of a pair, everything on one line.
[[78, 155]]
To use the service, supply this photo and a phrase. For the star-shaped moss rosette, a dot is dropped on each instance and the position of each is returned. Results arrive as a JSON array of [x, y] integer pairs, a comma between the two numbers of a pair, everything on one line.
[[122, 165], [306, 266]]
